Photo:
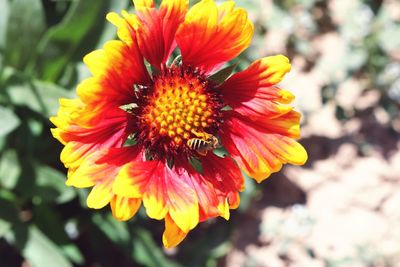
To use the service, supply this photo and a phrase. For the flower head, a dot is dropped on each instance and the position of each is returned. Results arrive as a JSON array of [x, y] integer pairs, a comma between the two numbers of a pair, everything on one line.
[[132, 134]]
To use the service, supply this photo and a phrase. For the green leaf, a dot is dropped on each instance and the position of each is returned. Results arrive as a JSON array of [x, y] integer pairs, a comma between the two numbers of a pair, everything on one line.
[[208, 247], [146, 252], [109, 30], [5, 10], [177, 61], [3, 141], [41, 251], [45, 215], [247, 195], [196, 164], [72, 252], [220, 76], [9, 169], [42, 183], [8, 215], [50, 185], [115, 230], [26, 24], [8, 121], [39, 96], [5, 74], [5, 226], [73, 37]]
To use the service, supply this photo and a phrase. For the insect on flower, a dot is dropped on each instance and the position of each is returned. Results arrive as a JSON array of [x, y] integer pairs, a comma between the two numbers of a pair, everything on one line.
[[131, 135], [203, 145]]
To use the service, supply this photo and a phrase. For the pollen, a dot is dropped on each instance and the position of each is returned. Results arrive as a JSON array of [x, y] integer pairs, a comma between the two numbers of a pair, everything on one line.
[[180, 105]]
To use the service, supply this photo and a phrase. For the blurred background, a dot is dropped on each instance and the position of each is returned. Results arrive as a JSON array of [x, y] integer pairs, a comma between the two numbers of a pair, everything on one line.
[[340, 210]]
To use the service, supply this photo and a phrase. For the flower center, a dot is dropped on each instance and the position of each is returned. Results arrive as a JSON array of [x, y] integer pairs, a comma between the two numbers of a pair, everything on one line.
[[181, 105]]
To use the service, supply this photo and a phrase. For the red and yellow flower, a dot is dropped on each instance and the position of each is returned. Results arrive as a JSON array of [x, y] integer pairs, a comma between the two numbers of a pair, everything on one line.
[[127, 134]]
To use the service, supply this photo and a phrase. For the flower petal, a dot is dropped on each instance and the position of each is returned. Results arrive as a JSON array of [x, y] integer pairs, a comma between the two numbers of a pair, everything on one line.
[[133, 178], [100, 170], [257, 150], [252, 93], [217, 189], [143, 3], [164, 191], [116, 68], [205, 192], [211, 35], [288, 124], [167, 190], [103, 164], [126, 26], [71, 112], [80, 141], [100, 195], [227, 180], [157, 28], [124, 208], [172, 235]]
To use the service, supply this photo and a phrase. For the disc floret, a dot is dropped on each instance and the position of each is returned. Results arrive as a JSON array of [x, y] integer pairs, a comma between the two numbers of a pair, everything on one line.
[[181, 104]]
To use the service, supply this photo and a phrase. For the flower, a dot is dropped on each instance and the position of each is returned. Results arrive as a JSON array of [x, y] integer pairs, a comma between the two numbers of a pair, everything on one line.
[[133, 135]]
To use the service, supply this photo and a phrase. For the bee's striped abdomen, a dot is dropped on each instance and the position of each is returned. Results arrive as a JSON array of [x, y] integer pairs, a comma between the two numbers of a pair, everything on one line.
[[202, 146], [197, 143]]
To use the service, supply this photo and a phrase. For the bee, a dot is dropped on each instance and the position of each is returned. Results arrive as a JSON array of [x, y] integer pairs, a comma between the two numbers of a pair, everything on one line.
[[203, 145]]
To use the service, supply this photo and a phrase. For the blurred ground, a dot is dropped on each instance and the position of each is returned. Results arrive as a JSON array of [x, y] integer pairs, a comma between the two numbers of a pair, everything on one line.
[[342, 209]]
